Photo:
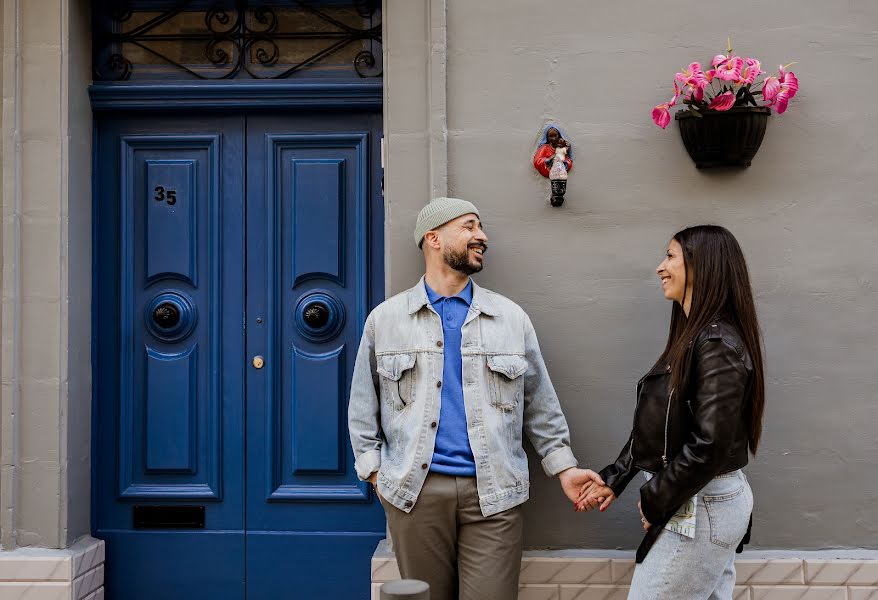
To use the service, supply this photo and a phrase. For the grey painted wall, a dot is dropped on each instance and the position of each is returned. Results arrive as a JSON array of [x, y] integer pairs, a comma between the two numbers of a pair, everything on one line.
[[805, 213], [79, 233]]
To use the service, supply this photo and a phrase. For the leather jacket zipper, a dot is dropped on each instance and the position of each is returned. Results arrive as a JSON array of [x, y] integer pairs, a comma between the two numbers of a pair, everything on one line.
[[667, 421], [634, 425]]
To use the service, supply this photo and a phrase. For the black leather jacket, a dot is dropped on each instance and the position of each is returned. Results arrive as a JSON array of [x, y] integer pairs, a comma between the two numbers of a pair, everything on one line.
[[686, 442]]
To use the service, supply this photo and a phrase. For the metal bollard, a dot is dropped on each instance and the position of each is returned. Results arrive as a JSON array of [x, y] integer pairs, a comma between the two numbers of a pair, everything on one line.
[[405, 589]]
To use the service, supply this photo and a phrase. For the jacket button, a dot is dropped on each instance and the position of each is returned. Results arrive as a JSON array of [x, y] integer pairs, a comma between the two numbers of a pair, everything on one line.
[[438, 384], [424, 466], [408, 503], [439, 343], [433, 424]]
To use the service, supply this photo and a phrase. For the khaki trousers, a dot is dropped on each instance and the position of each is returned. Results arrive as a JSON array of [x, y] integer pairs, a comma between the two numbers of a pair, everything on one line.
[[446, 542]]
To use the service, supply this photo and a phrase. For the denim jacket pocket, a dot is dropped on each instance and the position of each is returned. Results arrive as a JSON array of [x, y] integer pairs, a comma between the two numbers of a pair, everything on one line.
[[397, 378], [506, 383]]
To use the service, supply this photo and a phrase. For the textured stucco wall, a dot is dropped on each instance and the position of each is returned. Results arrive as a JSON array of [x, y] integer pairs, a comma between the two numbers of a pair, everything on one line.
[[805, 213]]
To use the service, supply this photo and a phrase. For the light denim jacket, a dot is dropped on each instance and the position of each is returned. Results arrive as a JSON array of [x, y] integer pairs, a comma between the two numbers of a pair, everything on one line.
[[396, 391]]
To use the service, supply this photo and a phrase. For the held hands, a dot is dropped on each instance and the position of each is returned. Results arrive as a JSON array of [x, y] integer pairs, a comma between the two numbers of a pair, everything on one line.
[[593, 495], [573, 480]]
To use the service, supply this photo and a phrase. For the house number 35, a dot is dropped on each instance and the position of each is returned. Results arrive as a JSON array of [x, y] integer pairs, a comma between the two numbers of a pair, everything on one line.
[[163, 195]]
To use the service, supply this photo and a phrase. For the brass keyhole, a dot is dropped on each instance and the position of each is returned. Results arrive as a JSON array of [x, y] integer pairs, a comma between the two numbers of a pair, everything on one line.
[[258, 362]]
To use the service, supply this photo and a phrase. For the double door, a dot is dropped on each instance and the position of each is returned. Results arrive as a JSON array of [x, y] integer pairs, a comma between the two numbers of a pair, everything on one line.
[[236, 259]]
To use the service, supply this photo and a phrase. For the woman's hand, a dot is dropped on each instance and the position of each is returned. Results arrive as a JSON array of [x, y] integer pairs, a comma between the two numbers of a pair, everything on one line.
[[646, 524]]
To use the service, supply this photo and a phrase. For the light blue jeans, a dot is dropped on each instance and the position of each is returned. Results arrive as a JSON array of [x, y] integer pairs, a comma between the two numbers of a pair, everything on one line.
[[700, 568]]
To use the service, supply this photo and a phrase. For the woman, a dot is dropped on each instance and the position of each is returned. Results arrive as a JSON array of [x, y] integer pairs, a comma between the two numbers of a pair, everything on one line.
[[699, 411]]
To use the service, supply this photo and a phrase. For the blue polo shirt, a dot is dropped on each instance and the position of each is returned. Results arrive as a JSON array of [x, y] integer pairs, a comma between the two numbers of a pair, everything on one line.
[[452, 454]]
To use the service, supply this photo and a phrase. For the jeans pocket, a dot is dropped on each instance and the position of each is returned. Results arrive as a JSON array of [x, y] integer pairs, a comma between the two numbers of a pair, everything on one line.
[[728, 515]]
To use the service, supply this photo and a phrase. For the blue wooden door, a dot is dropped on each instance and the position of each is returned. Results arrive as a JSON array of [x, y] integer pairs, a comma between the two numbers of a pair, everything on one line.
[[169, 356], [236, 258], [314, 213]]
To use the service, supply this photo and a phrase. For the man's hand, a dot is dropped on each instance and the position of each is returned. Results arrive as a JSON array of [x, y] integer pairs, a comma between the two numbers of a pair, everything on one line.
[[573, 479], [373, 479], [594, 496]]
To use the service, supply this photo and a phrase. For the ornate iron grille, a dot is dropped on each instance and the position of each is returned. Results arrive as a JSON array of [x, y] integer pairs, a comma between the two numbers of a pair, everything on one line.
[[234, 40]]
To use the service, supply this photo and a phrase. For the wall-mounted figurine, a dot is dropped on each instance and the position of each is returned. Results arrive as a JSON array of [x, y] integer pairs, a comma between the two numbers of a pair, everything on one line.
[[554, 159]]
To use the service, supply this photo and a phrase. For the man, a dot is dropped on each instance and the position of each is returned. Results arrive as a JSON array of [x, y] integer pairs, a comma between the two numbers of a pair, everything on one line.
[[447, 378]]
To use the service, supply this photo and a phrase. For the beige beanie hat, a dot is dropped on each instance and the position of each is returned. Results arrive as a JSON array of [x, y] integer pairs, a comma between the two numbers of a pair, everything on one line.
[[438, 212]]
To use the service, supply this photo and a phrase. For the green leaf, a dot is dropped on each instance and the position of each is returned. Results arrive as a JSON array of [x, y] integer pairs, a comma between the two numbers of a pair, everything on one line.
[[751, 99]]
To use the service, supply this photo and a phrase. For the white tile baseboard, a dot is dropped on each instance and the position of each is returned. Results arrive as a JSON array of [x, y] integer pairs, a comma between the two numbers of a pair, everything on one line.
[[606, 575], [74, 573]]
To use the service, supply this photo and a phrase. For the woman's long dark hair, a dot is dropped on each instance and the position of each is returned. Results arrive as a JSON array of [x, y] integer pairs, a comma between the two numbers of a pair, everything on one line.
[[720, 289]]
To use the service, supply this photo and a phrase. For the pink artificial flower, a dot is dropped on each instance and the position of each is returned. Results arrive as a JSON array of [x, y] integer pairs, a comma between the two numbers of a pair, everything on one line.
[[710, 75], [719, 60], [661, 113], [772, 84], [692, 73], [771, 87], [723, 101], [751, 71], [789, 79], [694, 81], [693, 89], [731, 69], [661, 116], [789, 86]]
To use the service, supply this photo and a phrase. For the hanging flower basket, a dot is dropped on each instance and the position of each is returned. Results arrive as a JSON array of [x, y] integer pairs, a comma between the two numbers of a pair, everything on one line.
[[723, 139], [723, 124]]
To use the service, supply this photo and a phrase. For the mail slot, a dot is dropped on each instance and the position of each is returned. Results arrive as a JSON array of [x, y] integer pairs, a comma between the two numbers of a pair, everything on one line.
[[169, 517]]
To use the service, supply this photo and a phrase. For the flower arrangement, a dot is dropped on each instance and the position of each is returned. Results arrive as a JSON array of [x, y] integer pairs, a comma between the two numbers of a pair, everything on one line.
[[731, 82]]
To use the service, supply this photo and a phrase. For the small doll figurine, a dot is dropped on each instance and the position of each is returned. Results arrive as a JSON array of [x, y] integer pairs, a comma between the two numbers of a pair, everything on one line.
[[545, 154], [559, 161], [558, 173], [553, 160]]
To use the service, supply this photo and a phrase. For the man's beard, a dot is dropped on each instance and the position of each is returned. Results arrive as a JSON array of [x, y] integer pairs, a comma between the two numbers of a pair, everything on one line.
[[459, 261]]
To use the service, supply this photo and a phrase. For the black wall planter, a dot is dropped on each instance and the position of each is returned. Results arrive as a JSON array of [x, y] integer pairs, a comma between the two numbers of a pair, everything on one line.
[[724, 139]]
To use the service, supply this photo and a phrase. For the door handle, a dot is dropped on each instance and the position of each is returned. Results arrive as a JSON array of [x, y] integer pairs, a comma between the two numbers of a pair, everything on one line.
[[258, 362]]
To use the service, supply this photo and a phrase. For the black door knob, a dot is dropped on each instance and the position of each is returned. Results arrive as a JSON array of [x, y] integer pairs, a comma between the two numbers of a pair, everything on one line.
[[166, 315], [316, 315]]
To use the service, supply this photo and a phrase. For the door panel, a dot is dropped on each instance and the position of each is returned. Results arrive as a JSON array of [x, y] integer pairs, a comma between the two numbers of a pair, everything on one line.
[[310, 269], [169, 352], [217, 240]]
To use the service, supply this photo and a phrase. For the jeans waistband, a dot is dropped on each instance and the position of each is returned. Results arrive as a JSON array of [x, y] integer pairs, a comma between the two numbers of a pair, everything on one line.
[[734, 473]]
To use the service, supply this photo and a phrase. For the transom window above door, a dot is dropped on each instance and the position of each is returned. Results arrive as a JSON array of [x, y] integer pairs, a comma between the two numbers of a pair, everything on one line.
[[236, 39]]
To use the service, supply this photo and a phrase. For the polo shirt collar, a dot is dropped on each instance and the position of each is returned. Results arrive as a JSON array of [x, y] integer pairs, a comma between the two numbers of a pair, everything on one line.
[[466, 294]]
